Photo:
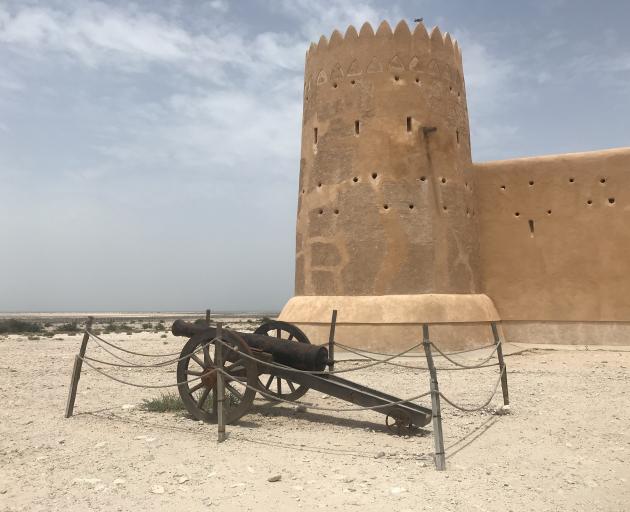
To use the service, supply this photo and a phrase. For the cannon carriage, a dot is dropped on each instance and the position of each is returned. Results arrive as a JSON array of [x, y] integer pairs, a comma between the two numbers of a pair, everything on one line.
[[279, 362]]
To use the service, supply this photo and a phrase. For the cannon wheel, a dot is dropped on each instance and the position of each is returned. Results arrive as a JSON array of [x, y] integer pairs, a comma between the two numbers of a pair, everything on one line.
[[273, 385], [200, 394]]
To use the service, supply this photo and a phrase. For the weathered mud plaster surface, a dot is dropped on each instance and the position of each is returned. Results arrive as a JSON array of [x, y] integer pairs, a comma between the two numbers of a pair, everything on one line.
[[555, 236], [390, 204]]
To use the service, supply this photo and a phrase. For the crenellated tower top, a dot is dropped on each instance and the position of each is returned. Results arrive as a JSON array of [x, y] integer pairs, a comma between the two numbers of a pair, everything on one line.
[[433, 41], [424, 46]]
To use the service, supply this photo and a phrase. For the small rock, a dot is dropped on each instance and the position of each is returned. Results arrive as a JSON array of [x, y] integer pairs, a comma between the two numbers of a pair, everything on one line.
[[274, 478], [126, 407], [88, 481], [100, 445], [300, 408], [183, 479], [157, 489], [397, 490], [119, 481], [3, 491], [379, 455], [324, 396], [61, 440]]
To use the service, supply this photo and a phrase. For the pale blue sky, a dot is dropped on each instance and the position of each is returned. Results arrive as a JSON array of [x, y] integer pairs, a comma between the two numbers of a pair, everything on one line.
[[149, 151]]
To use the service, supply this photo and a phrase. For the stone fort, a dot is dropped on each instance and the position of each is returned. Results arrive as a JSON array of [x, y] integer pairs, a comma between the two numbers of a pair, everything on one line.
[[397, 226]]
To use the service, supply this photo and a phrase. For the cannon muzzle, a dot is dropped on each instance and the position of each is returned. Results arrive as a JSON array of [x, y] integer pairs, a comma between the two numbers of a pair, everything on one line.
[[188, 329]]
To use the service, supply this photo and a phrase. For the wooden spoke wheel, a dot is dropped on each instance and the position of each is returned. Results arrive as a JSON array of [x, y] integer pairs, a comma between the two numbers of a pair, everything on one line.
[[268, 382], [198, 378]]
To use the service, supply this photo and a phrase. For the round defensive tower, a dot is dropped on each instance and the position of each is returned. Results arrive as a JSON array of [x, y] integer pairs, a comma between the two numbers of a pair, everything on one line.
[[386, 223]]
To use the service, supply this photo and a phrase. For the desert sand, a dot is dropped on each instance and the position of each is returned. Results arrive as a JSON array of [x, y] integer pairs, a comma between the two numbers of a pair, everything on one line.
[[564, 446]]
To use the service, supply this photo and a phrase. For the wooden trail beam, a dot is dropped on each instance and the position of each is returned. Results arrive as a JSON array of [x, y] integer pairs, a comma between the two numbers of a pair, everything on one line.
[[76, 370]]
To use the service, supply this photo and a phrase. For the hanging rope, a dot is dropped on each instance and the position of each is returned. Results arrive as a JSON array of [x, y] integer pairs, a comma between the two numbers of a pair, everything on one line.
[[346, 347], [475, 409], [400, 365], [468, 367], [155, 365], [130, 351], [127, 383]]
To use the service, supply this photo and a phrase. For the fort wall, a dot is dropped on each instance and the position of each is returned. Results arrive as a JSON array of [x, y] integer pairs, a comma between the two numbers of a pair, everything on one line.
[[554, 237]]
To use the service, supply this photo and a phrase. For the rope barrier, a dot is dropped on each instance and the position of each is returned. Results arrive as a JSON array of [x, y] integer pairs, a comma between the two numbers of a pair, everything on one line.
[[220, 370], [130, 351], [407, 365], [155, 365], [346, 347], [149, 386], [114, 355], [475, 409], [316, 374], [468, 367]]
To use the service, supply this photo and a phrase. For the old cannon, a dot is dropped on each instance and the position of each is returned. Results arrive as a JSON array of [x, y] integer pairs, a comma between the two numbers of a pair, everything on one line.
[[247, 360]]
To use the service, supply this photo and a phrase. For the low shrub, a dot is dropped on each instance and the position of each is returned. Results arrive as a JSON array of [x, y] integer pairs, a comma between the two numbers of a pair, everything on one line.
[[69, 328], [16, 326], [167, 402]]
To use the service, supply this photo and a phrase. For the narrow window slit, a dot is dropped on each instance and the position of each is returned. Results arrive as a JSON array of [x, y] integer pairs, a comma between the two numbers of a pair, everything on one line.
[[531, 227], [314, 135], [357, 127], [457, 135], [409, 124]]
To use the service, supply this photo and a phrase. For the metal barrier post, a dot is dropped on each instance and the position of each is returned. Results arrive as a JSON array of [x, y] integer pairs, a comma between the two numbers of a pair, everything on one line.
[[331, 341], [218, 361], [76, 370], [207, 318], [440, 460], [502, 367]]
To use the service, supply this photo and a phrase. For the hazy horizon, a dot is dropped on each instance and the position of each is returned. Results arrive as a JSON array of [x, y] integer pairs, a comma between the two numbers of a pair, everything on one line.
[[149, 150]]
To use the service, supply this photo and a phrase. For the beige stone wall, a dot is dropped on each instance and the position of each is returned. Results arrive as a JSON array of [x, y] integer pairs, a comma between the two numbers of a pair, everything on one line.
[[384, 208], [555, 236]]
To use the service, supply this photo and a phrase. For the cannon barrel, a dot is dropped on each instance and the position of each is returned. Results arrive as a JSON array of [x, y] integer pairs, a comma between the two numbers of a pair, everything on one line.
[[301, 356]]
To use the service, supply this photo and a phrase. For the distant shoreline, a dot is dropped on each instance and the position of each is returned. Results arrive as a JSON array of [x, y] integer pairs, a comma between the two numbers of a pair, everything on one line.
[[131, 314]]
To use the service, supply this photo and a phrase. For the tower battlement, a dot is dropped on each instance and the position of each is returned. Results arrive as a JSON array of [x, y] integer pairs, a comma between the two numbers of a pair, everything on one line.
[[433, 45]]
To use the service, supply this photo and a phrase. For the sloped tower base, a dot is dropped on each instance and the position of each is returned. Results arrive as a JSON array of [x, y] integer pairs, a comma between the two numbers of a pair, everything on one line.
[[390, 323]]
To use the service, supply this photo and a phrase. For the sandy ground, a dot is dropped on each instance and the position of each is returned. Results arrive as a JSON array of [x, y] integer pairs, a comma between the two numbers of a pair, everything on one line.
[[564, 446]]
